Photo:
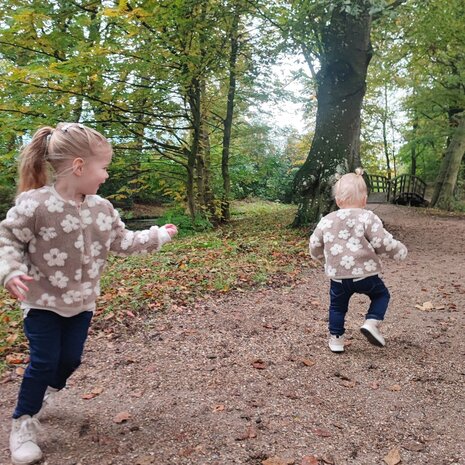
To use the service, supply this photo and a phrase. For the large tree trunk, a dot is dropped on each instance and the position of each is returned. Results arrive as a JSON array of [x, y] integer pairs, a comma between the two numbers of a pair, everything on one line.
[[444, 190], [341, 85]]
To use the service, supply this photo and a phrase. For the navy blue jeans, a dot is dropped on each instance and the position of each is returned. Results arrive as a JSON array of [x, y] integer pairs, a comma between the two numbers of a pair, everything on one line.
[[341, 292], [55, 345]]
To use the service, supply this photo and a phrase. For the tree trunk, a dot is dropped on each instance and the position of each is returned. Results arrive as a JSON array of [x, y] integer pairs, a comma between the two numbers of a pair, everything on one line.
[[227, 126], [444, 190], [341, 85]]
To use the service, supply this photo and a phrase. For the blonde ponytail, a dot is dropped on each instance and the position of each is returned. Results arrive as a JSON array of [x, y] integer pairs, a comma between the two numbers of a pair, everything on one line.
[[33, 170]]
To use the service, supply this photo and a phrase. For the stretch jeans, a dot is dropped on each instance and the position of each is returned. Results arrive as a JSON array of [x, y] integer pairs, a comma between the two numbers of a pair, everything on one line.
[[341, 292], [56, 344]]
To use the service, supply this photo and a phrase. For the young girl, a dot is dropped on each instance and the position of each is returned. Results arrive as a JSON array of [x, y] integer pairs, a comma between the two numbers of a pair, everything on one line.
[[351, 240], [54, 245]]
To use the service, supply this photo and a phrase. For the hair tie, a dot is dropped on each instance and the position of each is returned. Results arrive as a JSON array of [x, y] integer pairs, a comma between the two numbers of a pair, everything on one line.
[[359, 171], [47, 142]]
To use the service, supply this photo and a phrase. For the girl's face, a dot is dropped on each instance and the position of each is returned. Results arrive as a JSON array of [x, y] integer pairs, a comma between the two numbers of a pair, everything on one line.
[[94, 171]]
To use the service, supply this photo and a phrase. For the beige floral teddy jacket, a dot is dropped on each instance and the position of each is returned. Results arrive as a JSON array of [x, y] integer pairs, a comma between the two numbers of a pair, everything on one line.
[[351, 241], [64, 247]]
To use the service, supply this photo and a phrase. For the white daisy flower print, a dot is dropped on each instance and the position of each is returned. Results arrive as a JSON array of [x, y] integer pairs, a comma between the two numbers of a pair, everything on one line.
[[330, 271], [375, 227], [95, 269], [24, 235], [389, 242], [47, 300], [55, 257], [87, 289], [58, 279], [71, 297], [104, 222], [35, 273], [364, 218], [27, 207], [353, 244], [70, 223], [95, 249], [97, 289], [85, 259], [336, 249], [325, 223], [315, 241], [401, 254], [54, 205], [92, 200], [47, 233], [5, 268], [10, 253], [343, 214], [79, 244], [350, 223], [370, 265], [359, 230], [344, 234], [376, 242], [86, 218], [127, 240], [78, 275], [347, 262], [328, 237], [357, 271], [144, 237]]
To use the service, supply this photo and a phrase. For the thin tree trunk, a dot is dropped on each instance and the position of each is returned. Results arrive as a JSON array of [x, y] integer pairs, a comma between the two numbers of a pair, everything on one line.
[[227, 127]]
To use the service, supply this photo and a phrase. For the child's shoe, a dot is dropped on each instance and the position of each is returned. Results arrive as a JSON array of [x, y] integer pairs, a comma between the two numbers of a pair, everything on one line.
[[371, 332], [23, 441], [336, 343], [49, 399]]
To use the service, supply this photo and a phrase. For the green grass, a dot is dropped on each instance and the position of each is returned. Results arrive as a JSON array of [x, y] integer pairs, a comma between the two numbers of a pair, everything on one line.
[[257, 248]]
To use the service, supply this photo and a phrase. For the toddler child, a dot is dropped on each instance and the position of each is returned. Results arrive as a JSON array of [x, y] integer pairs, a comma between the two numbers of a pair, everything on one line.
[[54, 245], [351, 240]]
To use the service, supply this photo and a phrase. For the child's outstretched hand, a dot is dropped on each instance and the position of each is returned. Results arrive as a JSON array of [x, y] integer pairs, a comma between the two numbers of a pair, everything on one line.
[[171, 229], [16, 287]]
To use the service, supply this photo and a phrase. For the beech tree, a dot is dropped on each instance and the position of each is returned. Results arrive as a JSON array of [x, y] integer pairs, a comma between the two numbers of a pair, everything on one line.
[[334, 37]]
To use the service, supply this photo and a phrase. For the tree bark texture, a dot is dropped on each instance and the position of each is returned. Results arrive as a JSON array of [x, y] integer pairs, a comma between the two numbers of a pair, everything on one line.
[[341, 85], [444, 190]]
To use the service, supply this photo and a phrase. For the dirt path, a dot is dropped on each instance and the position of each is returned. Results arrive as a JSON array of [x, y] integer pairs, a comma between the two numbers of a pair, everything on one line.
[[248, 378]]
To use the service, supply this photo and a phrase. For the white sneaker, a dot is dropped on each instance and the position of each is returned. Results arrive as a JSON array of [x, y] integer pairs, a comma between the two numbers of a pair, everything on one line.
[[371, 332], [336, 343], [49, 399], [23, 441]]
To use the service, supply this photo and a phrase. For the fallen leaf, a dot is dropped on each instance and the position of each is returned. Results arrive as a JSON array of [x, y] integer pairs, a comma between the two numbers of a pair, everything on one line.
[[249, 433], [121, 417], [323, 433], [96, 391], [278, 461], [374, 385], [20, 371], [309, 460], [414, 446], [218, 408], [15, 359], [308, 362], [259, 364], [429, 306], [145, 460], [393, 457], [395, 388], [349, 384]]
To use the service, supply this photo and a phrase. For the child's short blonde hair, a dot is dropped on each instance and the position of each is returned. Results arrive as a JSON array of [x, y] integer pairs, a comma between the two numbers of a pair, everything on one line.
[[351, 189]]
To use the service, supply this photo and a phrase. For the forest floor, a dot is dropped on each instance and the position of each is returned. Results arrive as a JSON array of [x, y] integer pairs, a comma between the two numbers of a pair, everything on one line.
[[248, 378]]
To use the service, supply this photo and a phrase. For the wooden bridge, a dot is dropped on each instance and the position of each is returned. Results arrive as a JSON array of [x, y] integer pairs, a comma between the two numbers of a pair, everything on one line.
[[403, 190]]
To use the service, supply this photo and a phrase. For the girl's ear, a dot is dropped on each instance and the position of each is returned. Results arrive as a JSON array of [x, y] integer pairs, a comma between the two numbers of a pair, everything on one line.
[[78, 164]]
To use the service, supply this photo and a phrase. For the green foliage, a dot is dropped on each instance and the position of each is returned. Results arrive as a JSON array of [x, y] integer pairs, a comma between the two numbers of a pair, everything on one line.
[[183, 221]]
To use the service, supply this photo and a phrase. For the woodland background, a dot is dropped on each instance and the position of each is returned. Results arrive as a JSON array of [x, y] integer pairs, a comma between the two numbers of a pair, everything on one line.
[[182, 88]]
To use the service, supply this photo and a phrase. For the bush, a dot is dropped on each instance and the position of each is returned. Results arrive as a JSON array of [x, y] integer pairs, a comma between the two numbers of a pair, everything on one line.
[[7, 195], [186, 226]]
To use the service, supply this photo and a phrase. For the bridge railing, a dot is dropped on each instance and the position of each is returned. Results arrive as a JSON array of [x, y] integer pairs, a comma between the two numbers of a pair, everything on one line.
[[407, 187], [401, 189]]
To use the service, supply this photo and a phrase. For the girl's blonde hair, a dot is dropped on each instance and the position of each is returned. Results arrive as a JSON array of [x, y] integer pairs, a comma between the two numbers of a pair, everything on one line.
[[52, 148], [351, 188]]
